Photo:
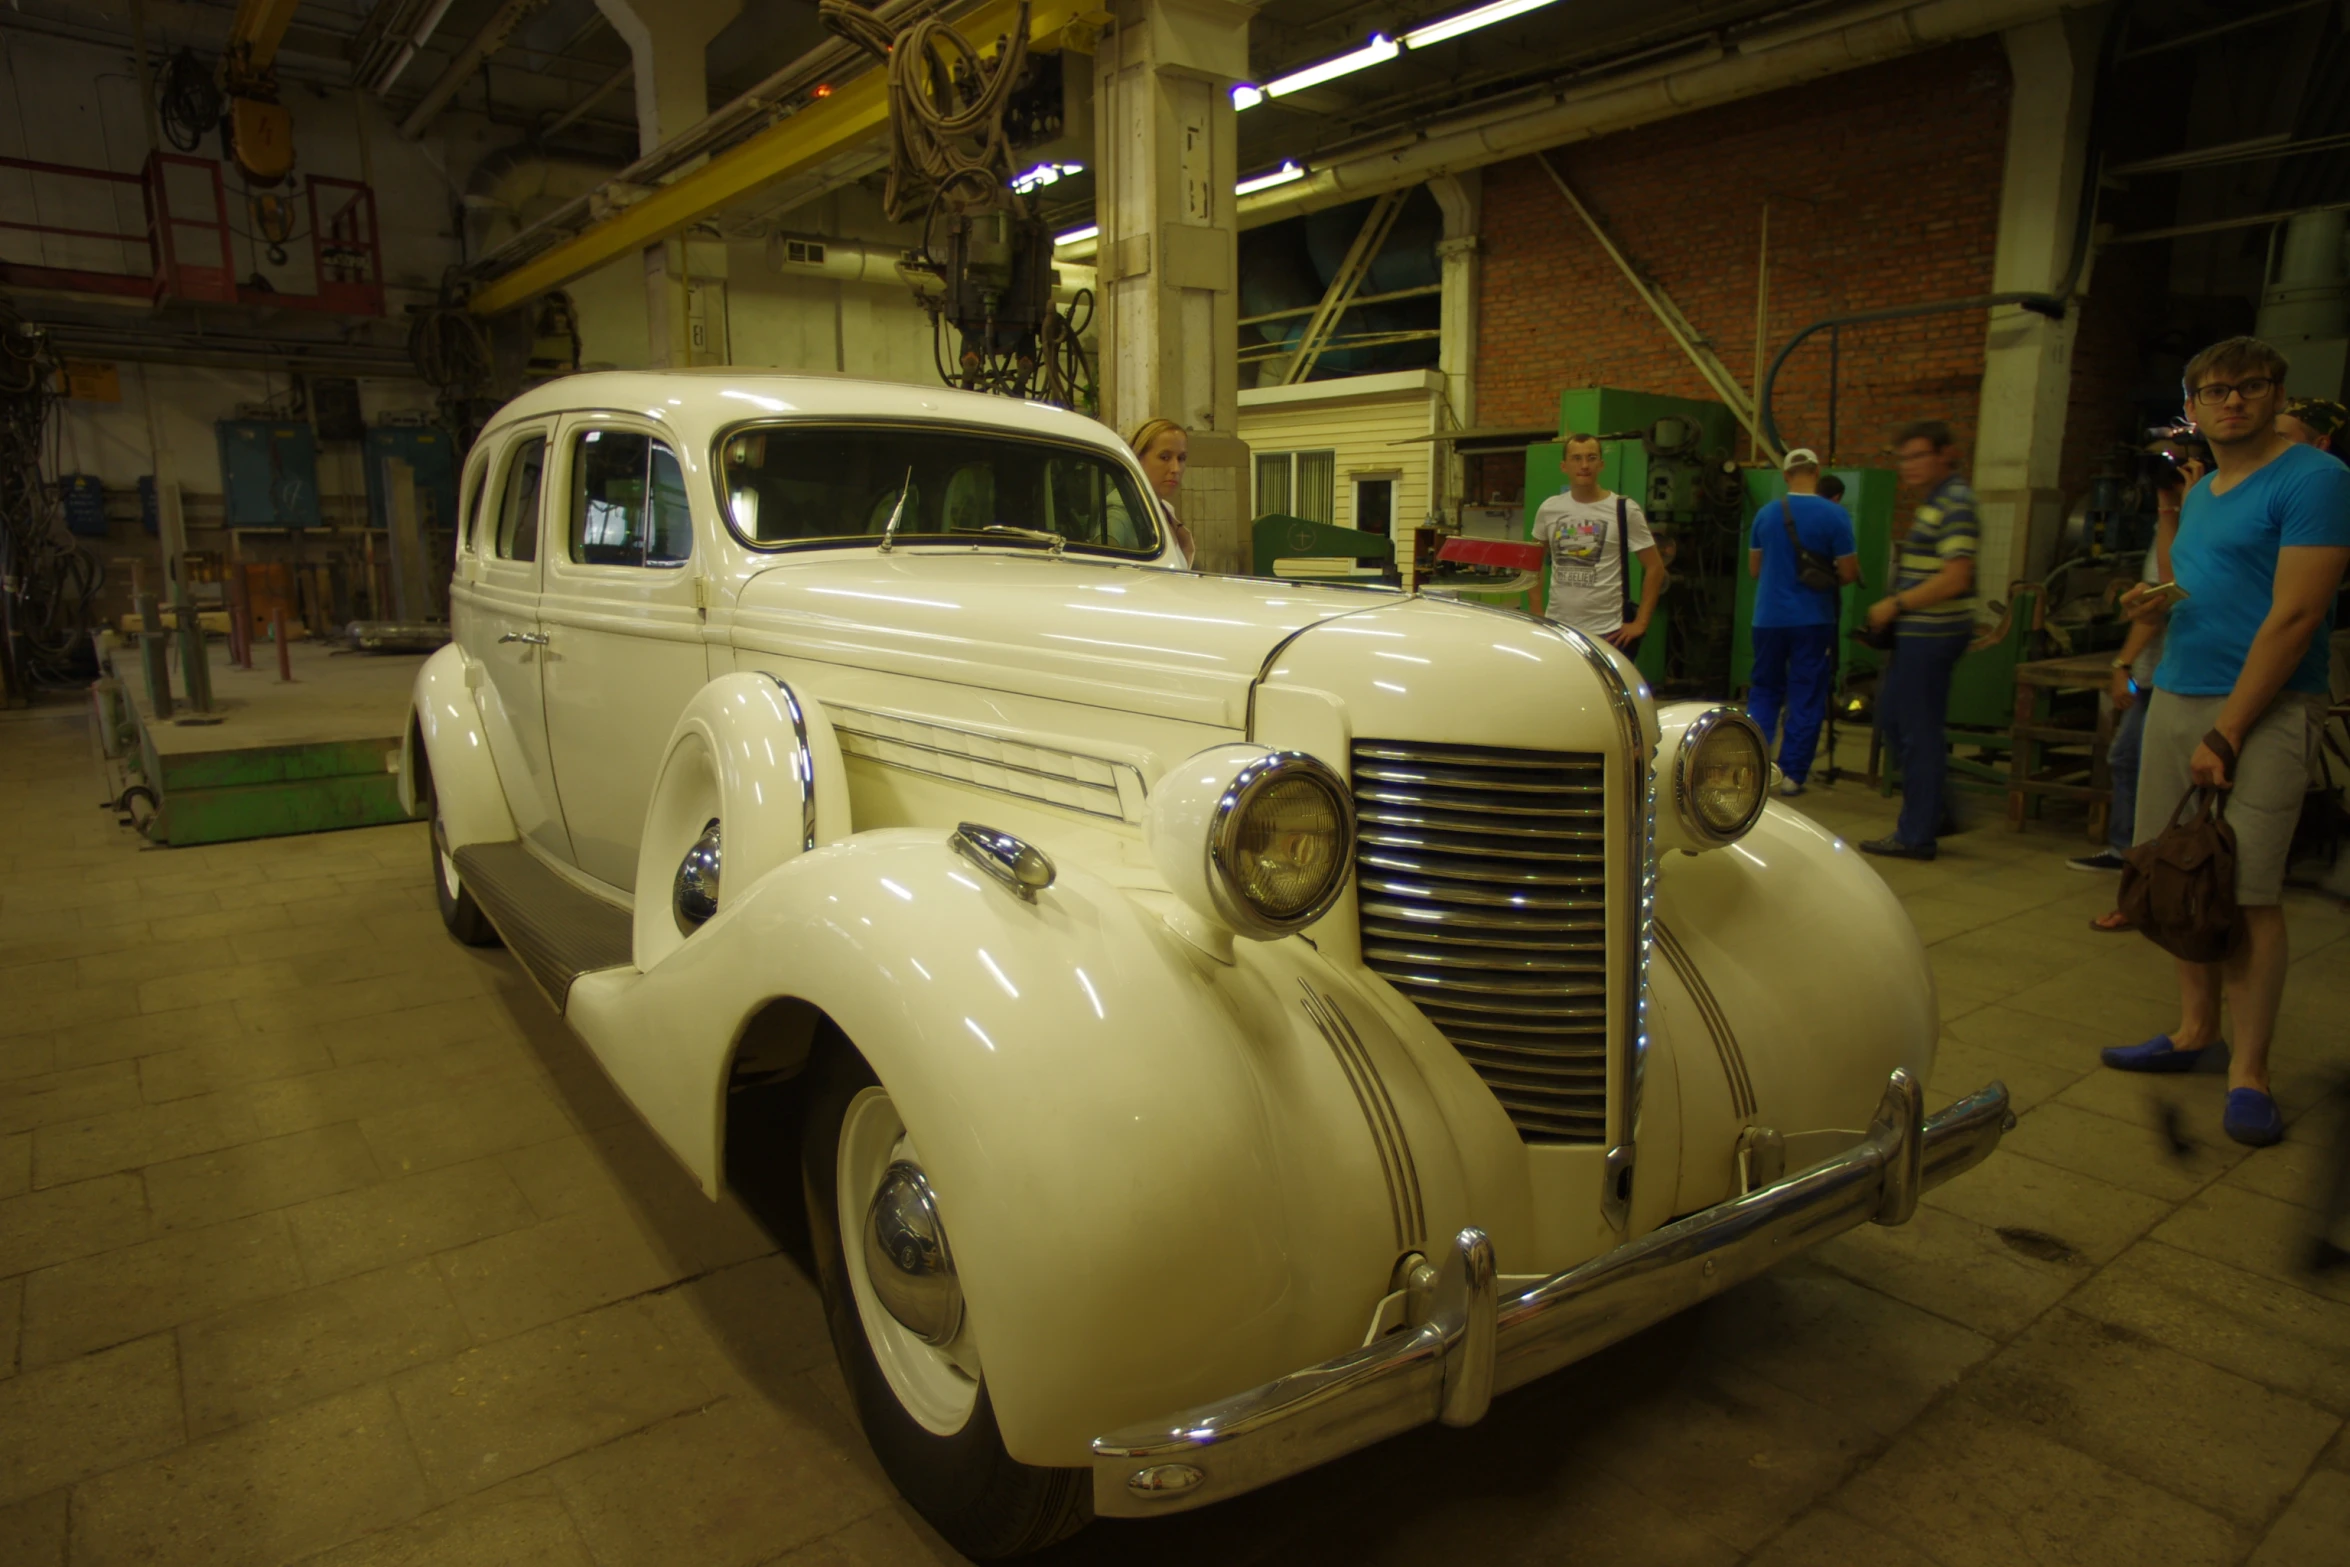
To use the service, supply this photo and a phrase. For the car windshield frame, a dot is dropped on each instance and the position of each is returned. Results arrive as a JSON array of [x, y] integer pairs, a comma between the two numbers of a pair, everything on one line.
[[904, 538]]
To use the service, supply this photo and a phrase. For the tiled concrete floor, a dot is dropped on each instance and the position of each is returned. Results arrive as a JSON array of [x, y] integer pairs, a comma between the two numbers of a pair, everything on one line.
[[321, 1240]]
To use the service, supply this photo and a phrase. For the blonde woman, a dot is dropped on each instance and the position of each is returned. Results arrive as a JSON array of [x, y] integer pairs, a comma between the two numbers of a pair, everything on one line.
[[1163, 449]]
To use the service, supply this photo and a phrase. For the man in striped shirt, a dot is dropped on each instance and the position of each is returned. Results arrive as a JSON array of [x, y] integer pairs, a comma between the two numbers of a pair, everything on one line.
[[1932, 612]]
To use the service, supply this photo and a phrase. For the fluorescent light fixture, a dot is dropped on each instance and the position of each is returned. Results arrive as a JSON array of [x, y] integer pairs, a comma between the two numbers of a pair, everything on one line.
[[1091, 231], [1280, 176], [1380, 49], [1469, 21], [1246, 96], [1044, 174]]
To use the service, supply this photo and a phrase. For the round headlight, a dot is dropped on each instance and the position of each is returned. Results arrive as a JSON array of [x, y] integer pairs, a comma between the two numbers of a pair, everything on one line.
[[1722, 776], [1282, 836]]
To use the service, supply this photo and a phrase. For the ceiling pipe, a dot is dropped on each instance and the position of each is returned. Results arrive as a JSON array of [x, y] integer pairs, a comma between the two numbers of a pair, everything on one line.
[[416, 41], [488, 41], [1759, 65]]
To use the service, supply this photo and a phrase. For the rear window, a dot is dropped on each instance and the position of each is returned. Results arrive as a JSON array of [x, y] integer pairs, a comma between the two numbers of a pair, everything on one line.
[[795, 484]]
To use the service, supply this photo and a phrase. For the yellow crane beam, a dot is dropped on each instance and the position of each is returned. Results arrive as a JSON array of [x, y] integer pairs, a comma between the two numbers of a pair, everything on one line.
[[856, 112]]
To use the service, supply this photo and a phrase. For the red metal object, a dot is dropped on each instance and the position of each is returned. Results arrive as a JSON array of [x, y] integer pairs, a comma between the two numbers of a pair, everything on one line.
[[240, 618], [277, 634], [1507, 554], [190, 251]]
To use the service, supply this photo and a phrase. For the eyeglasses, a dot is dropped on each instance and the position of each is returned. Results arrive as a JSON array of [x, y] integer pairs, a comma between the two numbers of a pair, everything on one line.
[[2213, 393]]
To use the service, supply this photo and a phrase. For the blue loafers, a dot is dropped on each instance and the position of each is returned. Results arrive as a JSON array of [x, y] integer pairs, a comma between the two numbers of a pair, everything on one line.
[[2251, 1118], [2159, 1055]]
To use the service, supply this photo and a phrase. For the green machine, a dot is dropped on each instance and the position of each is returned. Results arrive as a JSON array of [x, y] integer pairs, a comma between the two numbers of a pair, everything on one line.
[[1869, 495], [1674, 456]]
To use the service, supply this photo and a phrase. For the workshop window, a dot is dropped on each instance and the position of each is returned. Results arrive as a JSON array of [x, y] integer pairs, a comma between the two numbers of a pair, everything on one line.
[[518, 500], [1298, 484], [628, 505]]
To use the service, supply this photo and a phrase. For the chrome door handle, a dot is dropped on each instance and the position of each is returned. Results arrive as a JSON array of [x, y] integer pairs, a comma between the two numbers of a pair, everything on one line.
[[533, 638]]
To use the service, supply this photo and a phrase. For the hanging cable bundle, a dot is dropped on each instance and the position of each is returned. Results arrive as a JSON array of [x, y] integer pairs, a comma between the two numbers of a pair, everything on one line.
[[452, 356], [946, 112], [48, 580], [187, 100]]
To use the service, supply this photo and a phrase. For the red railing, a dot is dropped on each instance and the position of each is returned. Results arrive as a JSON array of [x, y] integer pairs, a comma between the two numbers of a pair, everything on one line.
[[346, 244]]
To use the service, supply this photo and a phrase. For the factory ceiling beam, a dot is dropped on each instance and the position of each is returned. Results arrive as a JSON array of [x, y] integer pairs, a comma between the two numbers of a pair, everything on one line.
[[856, 113], [488, 41]]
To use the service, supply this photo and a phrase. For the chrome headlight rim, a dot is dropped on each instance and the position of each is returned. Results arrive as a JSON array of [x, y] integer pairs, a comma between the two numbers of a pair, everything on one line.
[[1224, 826], [1693, 740]]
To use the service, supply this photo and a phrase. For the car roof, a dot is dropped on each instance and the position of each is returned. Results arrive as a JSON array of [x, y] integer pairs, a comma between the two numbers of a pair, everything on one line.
[[700, 399]]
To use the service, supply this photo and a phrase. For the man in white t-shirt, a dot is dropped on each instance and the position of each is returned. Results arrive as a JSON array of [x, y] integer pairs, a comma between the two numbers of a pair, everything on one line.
[[1587, 533]]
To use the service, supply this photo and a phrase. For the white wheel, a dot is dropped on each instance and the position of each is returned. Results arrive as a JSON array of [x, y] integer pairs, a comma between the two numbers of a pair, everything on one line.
[[938, 1386]]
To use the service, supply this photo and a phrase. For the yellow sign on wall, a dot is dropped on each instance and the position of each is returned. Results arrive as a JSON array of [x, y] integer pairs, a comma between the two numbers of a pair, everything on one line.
[[92, 381]]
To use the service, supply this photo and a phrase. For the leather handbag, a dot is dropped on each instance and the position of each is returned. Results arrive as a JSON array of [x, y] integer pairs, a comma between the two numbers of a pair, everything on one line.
[[2180, 888]]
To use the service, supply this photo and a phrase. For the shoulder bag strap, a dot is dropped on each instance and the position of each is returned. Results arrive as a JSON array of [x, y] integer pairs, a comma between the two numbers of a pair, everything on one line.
[[1624, 557], [1787, 516]]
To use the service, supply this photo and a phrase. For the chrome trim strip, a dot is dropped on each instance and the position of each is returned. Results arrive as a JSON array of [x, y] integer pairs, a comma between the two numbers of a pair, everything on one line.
[[1447, 1366], [1717, 1022], [1379, 1113], [804, 763], [1017, 863]]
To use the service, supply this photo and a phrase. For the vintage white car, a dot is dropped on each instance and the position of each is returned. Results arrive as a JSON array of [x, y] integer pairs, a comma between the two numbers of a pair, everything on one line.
[[1239, 1020]]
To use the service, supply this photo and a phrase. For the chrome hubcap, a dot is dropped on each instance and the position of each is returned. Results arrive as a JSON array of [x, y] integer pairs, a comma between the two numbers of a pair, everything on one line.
[[694, 894], [907, 1258]]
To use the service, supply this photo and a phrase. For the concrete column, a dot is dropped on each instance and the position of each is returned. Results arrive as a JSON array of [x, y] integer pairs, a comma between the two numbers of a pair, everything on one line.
[[667, 40], [2027, 367], [1457, 197], [1164, 157]]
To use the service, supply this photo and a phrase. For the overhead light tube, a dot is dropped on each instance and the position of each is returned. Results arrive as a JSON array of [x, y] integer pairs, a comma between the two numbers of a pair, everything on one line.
[[1091, 231], [1469, 21], [1379, 50], [1280, 176]]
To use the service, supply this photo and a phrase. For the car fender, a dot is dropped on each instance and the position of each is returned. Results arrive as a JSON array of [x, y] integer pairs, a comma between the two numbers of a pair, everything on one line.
[[759, 758], [1799, 962], [445, 720], [1157, 1170]]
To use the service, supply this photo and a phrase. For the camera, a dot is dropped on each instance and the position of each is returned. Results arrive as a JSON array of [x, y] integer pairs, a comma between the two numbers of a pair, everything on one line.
[[2158, 462]]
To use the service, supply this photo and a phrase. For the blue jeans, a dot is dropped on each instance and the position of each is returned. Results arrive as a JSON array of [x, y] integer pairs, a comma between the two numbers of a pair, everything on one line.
[[2121, 760], [1912, 701], [1793, 669]]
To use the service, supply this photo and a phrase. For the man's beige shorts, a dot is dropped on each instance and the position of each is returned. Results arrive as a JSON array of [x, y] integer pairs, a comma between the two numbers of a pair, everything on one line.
[[2271, 776]]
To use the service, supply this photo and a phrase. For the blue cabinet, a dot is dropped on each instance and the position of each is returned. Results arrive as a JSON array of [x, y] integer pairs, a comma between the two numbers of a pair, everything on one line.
[[269, 473], [434, 457]]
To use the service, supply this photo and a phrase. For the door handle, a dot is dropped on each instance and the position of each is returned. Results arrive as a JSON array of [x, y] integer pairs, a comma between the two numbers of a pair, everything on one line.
[[533, 638]]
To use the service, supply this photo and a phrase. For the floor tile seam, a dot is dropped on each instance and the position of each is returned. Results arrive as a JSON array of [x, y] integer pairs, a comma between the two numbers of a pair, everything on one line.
[[2324, 1303], [1827, 1504], [2077, 1175], [569, 1130], [782, 1558], [649, 1293], [2284, 1504], [2208, 1183]]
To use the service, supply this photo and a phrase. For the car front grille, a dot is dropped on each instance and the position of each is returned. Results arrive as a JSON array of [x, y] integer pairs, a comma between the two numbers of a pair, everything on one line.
[[1481, 877]]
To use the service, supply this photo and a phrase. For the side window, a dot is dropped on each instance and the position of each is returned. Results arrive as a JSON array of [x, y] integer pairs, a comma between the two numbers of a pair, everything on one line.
[[518, 500], [628, 502], [469, 534]]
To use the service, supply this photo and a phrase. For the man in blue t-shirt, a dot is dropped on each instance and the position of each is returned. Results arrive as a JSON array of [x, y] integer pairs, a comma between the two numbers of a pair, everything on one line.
[[2257, 553], [1795, 624]]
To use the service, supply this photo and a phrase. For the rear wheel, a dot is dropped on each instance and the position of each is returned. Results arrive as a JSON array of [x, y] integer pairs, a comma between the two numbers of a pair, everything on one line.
[[924, 1405], [459, 912]]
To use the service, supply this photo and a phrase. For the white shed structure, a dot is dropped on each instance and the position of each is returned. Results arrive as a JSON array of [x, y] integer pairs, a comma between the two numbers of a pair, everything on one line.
[[1352, 451]]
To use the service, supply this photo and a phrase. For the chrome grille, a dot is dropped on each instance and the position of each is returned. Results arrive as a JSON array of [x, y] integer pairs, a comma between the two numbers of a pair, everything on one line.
[[1481, 878]]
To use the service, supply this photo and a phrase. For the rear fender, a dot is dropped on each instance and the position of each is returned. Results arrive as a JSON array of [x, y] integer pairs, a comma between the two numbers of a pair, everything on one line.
[[1157, 1175], [445, 721]]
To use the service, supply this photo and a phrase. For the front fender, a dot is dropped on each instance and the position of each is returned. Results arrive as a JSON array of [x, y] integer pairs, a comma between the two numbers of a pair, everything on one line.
[[1156, 1169], [1800, 962], [446, 721]]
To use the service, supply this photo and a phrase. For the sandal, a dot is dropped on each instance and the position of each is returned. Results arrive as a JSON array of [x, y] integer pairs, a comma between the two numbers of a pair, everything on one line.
[[2112, 922]]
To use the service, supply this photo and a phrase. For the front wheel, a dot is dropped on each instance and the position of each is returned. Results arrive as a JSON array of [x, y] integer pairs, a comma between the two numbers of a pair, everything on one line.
[[921, 1391]]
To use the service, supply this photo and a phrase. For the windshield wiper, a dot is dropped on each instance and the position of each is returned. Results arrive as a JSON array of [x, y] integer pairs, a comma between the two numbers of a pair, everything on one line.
[[1054, 541], [889, 529]]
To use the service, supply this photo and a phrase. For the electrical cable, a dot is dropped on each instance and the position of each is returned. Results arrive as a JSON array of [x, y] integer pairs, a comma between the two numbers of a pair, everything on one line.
[[187, 101], [49, 580], [937, 149]]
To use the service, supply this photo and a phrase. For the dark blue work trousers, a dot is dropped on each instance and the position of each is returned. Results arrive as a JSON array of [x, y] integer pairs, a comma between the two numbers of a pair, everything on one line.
[[1793, 668], [1912, 700]]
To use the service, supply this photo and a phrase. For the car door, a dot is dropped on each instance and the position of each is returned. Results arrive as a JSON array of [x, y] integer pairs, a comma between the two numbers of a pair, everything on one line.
[[623, 617], [510, 641]]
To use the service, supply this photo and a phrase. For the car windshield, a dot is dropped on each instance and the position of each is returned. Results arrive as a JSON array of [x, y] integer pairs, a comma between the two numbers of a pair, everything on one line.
[[788, 484]]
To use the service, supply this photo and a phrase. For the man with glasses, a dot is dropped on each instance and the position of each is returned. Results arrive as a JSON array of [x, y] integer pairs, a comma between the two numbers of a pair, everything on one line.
[[1932, 612], [2259, 549]]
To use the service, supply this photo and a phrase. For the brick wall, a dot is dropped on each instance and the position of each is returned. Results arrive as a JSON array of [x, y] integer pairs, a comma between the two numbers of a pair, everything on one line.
[[1883, 186]]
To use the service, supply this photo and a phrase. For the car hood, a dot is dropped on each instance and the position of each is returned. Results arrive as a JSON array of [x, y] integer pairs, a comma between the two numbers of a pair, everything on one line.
[[1136, 638]]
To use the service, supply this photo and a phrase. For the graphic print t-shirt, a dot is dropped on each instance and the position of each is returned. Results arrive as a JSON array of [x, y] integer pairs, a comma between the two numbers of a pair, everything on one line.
[[1586, 559]]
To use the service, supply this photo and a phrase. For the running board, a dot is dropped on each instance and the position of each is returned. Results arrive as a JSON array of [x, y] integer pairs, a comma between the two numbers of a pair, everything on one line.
[[556, 930]]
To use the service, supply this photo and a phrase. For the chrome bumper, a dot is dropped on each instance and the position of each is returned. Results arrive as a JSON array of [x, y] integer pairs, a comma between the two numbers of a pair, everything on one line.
[[1475, 1344]]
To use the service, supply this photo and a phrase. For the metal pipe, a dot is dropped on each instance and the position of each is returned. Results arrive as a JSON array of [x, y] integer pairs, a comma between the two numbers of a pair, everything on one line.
[[195, 658], [488, 41], [408, 50], [277, 634], [2221, 225], [2200, 34], [572, 115], [154, 654]]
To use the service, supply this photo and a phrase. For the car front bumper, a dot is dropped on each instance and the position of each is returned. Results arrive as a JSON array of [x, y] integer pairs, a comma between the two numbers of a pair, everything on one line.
[[1475, 1343]]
